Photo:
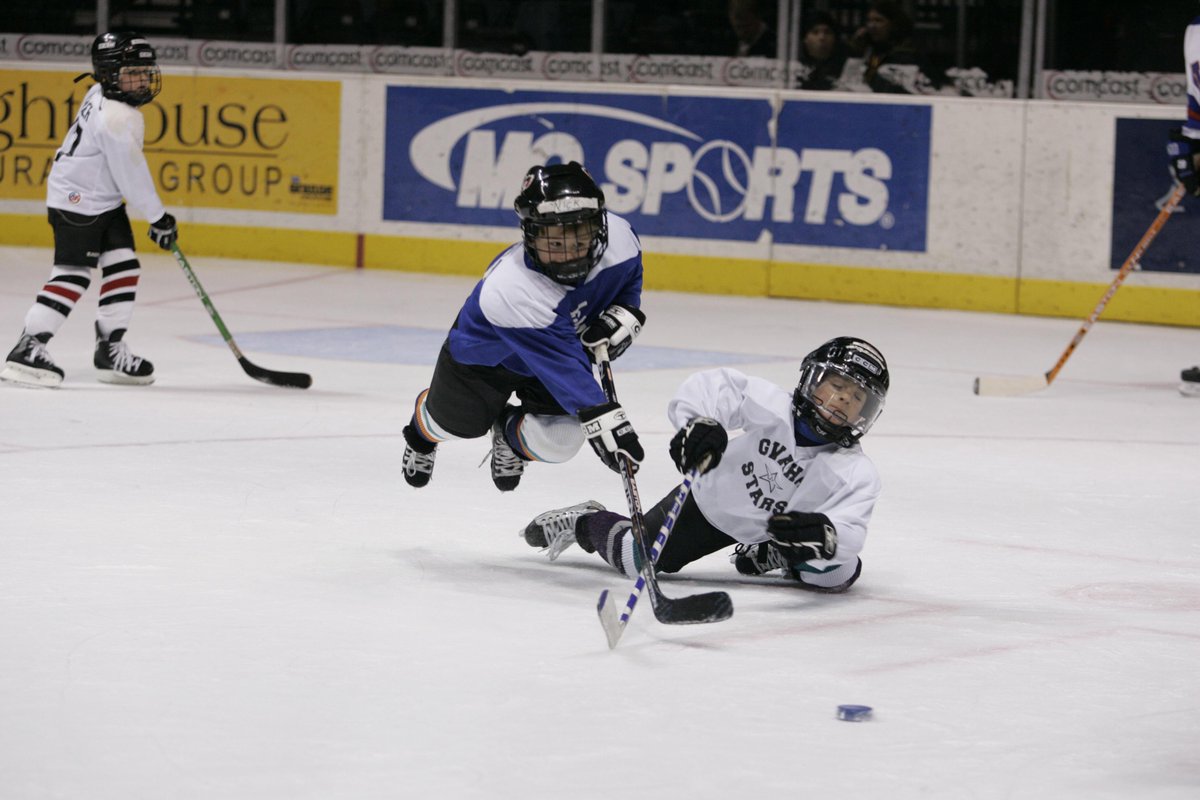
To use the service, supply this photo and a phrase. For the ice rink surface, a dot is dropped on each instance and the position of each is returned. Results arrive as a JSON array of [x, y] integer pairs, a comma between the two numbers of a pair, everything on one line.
[[213, 588]]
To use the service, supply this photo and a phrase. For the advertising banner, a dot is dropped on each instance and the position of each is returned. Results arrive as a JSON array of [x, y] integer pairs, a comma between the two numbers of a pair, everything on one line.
[[214, 142], [851, 175], [1141, 183]]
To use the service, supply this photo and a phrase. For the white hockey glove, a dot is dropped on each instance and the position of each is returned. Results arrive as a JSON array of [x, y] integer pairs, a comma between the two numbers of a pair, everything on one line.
[[802, 536], [617, 326], [610, 433], [164, 232], [1181, 153]]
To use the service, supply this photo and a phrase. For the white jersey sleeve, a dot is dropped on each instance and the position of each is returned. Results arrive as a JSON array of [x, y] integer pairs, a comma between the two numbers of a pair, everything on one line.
[[764, 471], [1191, 59], [101, 164]]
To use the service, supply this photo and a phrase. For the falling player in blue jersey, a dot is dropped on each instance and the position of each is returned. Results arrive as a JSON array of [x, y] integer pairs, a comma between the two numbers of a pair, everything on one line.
[[573, 283]]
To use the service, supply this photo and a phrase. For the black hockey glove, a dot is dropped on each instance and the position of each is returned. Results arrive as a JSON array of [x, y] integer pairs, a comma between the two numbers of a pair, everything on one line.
[[164, 232], [617, 326], [801, 536], [610, 433], [699, 438], [1182, 151]]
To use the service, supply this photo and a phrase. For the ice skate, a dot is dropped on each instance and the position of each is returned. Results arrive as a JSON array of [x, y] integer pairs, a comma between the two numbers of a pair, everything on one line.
[[29, 363], [554, 531], [418, 458], [116, 364], [507, 466], [1189, 382], [757, 559]]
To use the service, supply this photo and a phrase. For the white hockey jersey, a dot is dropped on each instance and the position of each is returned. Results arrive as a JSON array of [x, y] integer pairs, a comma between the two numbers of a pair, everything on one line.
[[1191, 59], [763, 471], [101, 162]]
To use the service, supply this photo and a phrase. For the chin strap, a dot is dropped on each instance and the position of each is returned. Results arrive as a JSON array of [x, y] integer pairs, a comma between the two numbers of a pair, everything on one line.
[[806, 436]]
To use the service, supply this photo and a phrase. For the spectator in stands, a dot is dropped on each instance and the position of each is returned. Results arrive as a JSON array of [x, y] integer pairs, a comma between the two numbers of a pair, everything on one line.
[[332, 22], [755, 38], [884, 44], [822, 54], [404, 22]]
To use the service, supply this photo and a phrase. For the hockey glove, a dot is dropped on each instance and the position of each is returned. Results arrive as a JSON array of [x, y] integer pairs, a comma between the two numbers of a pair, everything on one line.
[[610, 433], [801, 536], [1182, 151], [617, 326], [699, 438], [164, 232]]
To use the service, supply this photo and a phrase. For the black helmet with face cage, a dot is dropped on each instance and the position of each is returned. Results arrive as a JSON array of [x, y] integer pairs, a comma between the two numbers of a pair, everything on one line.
[[111, 52], [561, 207], [847, 359]]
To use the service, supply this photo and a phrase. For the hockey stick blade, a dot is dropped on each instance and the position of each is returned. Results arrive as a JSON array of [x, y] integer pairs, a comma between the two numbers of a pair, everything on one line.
[[693, 609], [289, 380], [612, 622], [1001, 386]]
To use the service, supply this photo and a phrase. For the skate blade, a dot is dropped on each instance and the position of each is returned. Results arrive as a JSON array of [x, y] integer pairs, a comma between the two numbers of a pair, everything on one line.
[[32, 377]]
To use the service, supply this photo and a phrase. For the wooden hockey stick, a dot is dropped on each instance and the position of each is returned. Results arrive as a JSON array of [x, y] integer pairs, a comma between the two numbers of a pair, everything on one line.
[[291, 380], [698, 608], [1010, 386]]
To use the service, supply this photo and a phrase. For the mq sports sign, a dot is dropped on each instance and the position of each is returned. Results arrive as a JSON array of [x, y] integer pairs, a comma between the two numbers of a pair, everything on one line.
[[834, 174]]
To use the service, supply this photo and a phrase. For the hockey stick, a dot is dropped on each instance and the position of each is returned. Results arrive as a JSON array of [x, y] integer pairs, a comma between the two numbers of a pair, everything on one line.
[[708, 607], [1010, 386], [293, 380], [614, 622]]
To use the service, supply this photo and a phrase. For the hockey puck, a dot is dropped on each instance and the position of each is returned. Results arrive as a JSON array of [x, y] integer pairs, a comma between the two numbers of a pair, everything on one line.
[[854, 713]]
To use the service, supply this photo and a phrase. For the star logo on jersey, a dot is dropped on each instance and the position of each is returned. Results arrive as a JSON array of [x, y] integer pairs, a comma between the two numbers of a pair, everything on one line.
[[769, 478]]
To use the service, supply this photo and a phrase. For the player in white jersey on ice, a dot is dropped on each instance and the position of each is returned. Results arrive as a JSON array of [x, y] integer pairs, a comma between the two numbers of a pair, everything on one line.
[[1184, 151], [99, 167], [794, 491], [573, 283]]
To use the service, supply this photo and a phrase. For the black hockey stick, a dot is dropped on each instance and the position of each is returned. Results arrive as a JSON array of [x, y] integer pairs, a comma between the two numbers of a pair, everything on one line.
[[292, 380], [697, 608], [614, 621]]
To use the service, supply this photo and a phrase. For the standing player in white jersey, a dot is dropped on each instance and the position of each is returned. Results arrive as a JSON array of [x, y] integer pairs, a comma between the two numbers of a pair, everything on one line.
[[573, 283], [99, 167], [794, 491], [1184, 151]]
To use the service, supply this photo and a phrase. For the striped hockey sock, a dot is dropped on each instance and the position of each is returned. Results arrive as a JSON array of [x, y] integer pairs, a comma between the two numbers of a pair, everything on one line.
[[118, 291], [57, 299], [610, 535]]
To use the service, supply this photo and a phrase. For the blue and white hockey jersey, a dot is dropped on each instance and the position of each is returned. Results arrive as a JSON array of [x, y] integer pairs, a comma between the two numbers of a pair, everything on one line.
[[519, 319]]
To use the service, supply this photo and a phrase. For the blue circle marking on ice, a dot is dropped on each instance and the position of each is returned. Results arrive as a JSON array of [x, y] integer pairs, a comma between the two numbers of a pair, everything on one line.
[[854, 713]]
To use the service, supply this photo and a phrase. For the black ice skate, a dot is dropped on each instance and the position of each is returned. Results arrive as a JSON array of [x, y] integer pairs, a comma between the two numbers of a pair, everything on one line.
[[757, 559], [418, 458], [29, 363], [1189, 385], [554, 531], [507, 466], [116, 364]]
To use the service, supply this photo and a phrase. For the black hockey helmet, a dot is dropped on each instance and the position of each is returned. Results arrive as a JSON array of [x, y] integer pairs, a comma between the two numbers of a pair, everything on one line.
[[843, 385], [563, 221], [114, 52]]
